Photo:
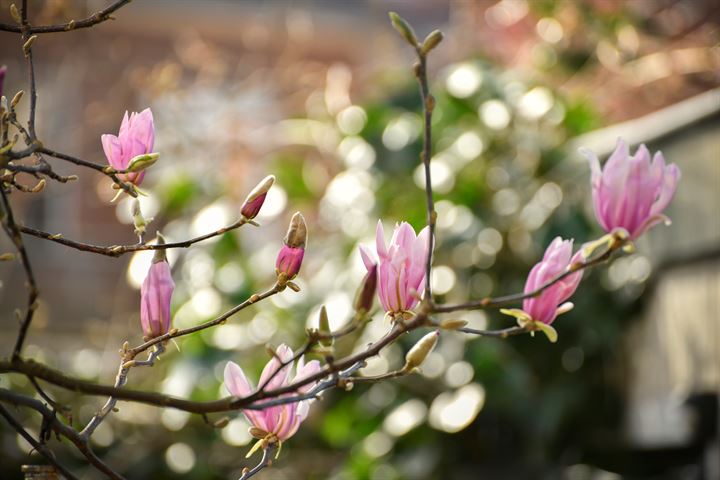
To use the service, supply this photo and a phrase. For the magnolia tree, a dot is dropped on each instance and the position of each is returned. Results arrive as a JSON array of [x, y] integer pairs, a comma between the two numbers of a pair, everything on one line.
[[629, 195]]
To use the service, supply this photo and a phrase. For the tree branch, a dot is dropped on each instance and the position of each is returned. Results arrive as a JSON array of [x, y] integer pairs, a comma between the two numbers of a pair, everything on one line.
[[428, 102], [118, 250], [39, 447], [94, 19], [66, 431], [14, 233]]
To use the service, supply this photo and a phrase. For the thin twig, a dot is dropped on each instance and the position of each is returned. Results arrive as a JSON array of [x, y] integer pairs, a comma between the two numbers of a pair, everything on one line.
[[428, 105], [120, 381], [118, 250], [211, 323], [504, 333], [94, 19], [96, 420], [266, 461], [84, 163], [14, 233]]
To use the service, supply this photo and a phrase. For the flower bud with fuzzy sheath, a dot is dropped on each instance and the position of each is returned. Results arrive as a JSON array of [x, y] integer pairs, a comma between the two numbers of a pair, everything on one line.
[[419, 352], [324, 327], [155, 296], [256, 198], [291, 254], [366, 293]]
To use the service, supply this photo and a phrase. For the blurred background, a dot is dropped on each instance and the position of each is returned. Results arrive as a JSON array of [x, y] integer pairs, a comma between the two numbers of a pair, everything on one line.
[[321, 94]]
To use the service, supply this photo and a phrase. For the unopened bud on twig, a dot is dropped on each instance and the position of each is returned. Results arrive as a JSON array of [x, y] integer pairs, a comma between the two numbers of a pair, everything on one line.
[[160, 255], [419, 352], [14, 13], [156, 295], [453, 324], [38, 187], [141, 162], [403, 28], [141, 222], [16, 99], [366, 294], [256, 198], [28, 45], [324, 327], [221, 423], [431, 41], [291, 254]]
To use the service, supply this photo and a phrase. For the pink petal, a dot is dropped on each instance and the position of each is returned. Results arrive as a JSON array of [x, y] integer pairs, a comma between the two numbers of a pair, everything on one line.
[[306, 370], [380, 241], [113, 151], [404, 238], [235, 380], [420, 247], [125, 124], [280, 378], [367, 257], [384, 280], [671, 178]]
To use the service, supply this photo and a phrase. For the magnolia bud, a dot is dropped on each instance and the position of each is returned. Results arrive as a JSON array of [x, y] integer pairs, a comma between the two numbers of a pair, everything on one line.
[[16, 98], [28, 45], [432, 41], [419, 352], [141, 162], [366, 294], [453, 324], [296, 236], [256, 198], [14, 13], [155, 296], [291, 254], [324, 327], [160, 255], [141, 222], [403, 28]]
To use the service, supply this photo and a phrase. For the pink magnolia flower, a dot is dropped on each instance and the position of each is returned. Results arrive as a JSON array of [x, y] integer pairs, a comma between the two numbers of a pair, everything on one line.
[[155, 295], [631, 192], [401, 266], [540, 311], [136, 137], [282, 421]]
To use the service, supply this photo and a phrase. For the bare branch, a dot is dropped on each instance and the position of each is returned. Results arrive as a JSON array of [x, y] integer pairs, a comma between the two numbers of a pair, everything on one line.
[[118, 250], [94, 19], [39, 447], [14, 233], [66, 431]]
